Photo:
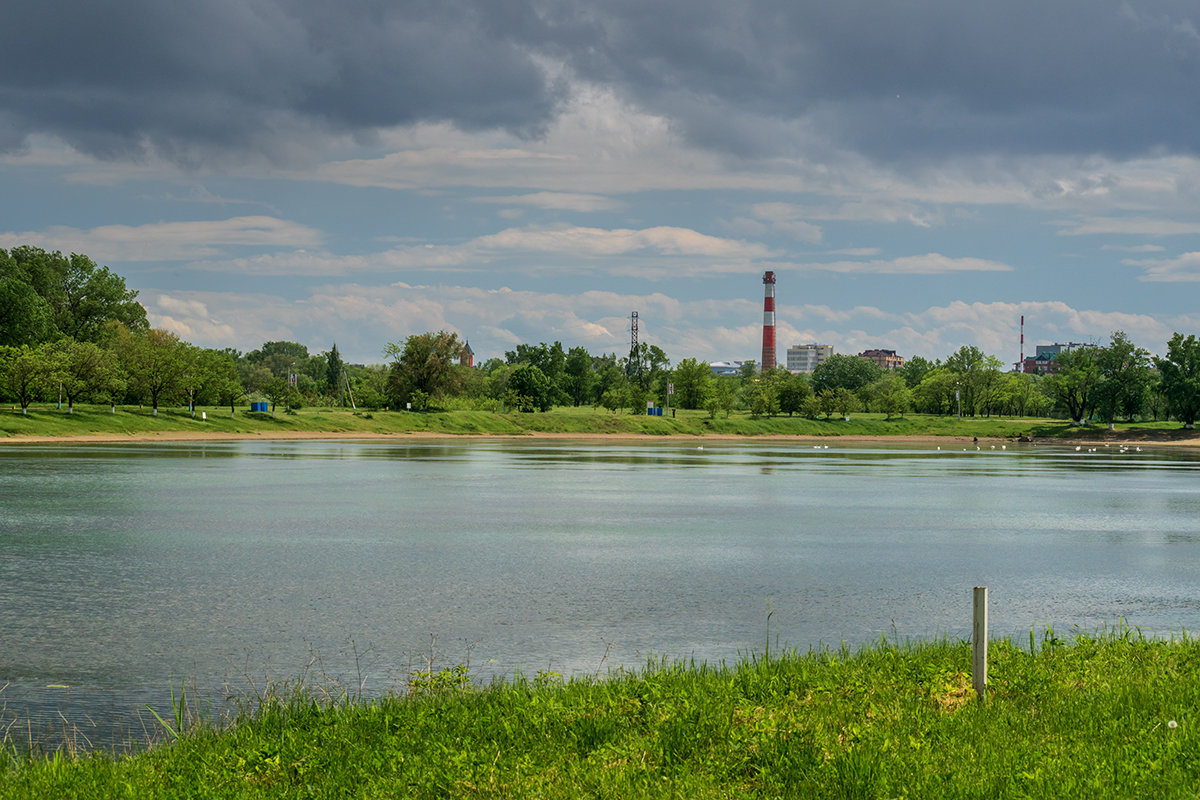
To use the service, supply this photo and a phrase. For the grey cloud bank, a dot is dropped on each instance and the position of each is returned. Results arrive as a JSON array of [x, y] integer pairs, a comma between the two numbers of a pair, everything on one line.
[[221, 79]]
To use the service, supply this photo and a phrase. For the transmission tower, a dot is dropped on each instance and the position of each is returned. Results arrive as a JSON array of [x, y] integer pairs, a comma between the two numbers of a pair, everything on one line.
[[634, 366]]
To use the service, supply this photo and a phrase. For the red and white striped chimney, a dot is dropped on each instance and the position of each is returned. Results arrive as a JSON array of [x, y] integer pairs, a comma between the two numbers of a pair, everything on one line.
[[768, 353]]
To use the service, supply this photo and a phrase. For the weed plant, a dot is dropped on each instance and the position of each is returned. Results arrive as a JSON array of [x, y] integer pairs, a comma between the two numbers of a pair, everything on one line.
[[1101, 716]]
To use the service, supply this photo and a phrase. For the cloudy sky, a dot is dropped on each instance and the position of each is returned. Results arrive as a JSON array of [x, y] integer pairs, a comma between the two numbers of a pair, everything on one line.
[[918, 173]]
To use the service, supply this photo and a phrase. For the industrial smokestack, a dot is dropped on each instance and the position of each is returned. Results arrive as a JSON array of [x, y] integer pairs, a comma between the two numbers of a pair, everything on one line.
[[768, 353]]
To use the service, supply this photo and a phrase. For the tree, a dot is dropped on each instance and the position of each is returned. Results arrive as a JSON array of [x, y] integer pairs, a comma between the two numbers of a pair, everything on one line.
[[693, 383], [333, 371], [279, 390], [226, 382], [84, 368], [578, 378], [155, 362], [724, 396], [1180, 372], [1075, 381], [613, 398], [1021, 395], [938, 392], [915, 369], [1125, 378], [427, 363], [83, 300], [25, 316], [24, 371], [793, 392], [92, 297], [551, 360], [845, 401], [609, 376], [891, 395], [532, 389], [643, 364], [764, 399], [976, 377], [841, 371], [826, 402]]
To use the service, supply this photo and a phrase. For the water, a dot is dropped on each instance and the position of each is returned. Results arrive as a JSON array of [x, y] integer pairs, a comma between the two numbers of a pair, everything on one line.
[[126, 567]]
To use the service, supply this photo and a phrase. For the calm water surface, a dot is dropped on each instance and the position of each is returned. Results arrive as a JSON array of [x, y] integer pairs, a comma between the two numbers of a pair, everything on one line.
[[123, 567]]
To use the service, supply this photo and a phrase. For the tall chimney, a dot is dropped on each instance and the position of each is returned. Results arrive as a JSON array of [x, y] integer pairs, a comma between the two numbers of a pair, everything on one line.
[[768, 353]]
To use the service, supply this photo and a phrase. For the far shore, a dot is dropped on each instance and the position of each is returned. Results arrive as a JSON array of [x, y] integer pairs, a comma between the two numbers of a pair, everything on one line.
[[218, 436]]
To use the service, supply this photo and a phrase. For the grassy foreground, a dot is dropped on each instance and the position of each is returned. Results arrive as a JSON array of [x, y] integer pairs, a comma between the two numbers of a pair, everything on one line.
[[1111, 716], [131, 421]]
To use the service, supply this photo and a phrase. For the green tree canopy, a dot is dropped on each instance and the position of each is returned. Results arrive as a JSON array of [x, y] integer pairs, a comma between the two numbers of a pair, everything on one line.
[[83, 299], [1180, 372], [693, 383], [85, 368], [155, 362], [1075, 381], [333, 371], [891, 395], [529, 389], [25, 371], [579, 376], [794, 391], [1125, 378], [25, 316], [426, 363], [841, 371], [915, 369]]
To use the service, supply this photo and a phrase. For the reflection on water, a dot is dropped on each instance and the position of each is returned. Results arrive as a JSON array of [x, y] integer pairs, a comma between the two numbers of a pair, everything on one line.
[[126, 566]]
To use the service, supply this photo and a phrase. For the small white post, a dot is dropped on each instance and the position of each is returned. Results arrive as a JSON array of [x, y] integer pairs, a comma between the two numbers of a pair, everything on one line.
[[979, 631]]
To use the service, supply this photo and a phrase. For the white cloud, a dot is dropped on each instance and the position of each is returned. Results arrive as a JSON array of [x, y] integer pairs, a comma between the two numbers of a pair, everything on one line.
[[560, 201], [651, 253], [362, 318], [1182, 269], [168, 241], [928, 264], [869, 209], [1132, 226], [1139, 248]]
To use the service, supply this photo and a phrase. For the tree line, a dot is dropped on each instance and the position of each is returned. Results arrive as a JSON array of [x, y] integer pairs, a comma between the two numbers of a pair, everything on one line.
[[72, 330], [1105, 382]]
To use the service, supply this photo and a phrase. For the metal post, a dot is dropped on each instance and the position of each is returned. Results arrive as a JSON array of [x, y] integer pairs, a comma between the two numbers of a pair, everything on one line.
[[979, 631]]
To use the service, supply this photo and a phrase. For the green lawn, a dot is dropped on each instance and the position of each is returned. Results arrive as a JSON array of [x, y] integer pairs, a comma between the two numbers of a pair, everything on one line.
[[1113, 716], [47, 420]]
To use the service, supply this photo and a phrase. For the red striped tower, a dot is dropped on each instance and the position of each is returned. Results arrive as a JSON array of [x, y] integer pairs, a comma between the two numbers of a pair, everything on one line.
[[768, 353]]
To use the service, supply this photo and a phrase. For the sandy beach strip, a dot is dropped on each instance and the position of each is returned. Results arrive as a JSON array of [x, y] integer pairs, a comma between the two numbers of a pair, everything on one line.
[[913, 440]]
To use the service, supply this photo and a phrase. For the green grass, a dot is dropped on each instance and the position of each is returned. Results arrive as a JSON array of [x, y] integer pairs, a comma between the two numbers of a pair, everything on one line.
[[1112, 716], [47, 420]]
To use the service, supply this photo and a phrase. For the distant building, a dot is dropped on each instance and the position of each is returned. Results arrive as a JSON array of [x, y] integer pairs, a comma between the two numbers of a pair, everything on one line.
[[886, 359], [467, 359], [806, 357], [726, 367], [1042, 362]]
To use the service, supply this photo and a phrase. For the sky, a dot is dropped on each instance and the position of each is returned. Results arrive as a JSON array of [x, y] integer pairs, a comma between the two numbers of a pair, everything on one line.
[[918, 174]]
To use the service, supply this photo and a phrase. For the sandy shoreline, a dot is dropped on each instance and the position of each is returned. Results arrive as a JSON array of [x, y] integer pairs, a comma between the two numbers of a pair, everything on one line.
[[197, 436]]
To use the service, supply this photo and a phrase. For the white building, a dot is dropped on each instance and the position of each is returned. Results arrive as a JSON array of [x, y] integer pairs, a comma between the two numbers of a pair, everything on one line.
[[806, 357], [725, 367]]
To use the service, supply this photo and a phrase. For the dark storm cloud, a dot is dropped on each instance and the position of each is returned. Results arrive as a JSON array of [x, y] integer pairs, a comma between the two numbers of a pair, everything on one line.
[[188, 78], [893, 79], [913, 77]]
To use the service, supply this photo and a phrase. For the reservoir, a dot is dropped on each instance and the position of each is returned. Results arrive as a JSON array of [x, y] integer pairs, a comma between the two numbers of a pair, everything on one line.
[[125, 569]]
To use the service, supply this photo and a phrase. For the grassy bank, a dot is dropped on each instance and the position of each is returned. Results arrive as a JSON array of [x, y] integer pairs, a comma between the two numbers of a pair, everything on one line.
[[132, 421], [1114, 716]]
